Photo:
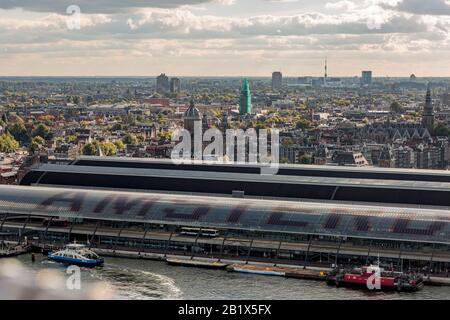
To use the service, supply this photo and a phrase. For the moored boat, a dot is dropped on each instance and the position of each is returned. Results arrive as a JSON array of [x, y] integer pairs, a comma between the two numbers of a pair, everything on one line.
[[374, 277], [7, 251], [254, 269]]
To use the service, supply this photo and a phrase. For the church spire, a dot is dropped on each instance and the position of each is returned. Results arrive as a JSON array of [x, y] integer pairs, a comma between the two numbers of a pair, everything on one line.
[[428, 101], [428, 111]]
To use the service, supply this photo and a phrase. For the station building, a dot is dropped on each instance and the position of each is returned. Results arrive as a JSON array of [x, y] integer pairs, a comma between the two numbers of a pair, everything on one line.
[[303, 216]]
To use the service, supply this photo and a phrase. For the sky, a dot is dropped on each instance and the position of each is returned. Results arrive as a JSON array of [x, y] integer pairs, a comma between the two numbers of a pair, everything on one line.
[[224, 37]]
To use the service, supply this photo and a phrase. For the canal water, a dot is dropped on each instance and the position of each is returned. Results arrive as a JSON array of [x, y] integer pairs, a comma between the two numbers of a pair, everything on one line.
[[146, 279]]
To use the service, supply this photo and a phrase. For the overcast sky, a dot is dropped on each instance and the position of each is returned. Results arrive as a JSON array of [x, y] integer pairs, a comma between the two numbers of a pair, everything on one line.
[[225, 37]]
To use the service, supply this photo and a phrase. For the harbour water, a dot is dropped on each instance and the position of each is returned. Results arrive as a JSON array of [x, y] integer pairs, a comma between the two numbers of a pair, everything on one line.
[[145, 279]]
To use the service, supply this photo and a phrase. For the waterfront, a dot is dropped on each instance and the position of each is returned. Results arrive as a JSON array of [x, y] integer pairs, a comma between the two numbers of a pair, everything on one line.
[[145, 279]]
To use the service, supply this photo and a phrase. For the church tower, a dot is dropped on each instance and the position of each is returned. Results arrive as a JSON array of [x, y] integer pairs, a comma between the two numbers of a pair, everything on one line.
[[224, 122], [205, 122], [190, 117], [428, 112], [245, 101]]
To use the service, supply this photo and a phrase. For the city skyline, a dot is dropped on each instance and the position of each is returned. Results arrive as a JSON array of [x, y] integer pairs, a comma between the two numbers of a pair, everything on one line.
[[226, 38]]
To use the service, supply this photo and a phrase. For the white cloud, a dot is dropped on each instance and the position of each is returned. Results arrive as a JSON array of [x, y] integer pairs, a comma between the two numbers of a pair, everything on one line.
[[341, 5], [186, 38], [226, 2], [94, 6], [423, 7]]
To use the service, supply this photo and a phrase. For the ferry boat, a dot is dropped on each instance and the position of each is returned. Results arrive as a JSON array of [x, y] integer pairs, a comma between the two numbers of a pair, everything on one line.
[[76, 254], [364, 278]]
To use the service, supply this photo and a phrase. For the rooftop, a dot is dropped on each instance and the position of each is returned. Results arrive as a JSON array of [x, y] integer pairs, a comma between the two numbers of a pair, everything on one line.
[[284, 169], [431, 193], [371, 222]]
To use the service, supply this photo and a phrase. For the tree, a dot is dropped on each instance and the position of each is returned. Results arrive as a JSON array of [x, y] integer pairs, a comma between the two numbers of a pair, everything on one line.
[[305, 159], [396, 107], [116, 126], [4, 119], [108, 148], [140, 138], [19, 132], [119, 144], [90, 149], [302, 124], [36, 144], [130, 139], [41, 131], [260, 125], [441, 130], [8, 143]]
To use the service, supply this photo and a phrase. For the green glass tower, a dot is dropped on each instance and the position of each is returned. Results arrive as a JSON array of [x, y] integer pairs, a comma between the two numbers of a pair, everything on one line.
[[245, 101]]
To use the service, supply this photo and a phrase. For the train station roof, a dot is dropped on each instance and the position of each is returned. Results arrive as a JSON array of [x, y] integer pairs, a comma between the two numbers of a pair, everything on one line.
[[291, 217], [305, 187], [284, 169]]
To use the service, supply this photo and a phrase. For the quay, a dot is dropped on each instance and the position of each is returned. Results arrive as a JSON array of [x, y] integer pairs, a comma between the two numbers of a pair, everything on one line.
[[230, 265]]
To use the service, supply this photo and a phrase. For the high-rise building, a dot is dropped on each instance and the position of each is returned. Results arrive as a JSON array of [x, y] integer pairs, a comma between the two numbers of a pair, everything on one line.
[[175, 85], [162, 83], [277, 80], [245, 101], [366, 78], [428, 112]]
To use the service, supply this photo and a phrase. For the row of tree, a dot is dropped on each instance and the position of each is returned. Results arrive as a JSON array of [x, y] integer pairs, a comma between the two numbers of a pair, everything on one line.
[[107, 148], [20, 133]]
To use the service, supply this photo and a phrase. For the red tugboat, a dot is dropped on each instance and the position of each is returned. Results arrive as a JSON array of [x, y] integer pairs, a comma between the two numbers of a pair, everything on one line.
[[374, 277]]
